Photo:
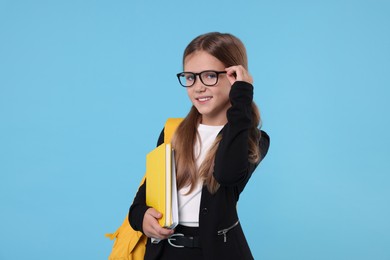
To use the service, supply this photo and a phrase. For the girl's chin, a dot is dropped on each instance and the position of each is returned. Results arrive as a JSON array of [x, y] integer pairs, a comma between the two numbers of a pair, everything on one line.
[[203, 111]]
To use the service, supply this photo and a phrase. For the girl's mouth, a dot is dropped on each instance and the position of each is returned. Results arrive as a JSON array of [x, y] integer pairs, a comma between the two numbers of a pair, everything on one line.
[[203, 99]]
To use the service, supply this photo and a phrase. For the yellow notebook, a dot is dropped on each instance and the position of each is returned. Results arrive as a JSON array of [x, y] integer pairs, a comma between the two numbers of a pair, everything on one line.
[[161, 191]]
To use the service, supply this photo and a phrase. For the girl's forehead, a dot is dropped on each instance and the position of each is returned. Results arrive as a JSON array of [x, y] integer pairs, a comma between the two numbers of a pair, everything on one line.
[[201, 60]]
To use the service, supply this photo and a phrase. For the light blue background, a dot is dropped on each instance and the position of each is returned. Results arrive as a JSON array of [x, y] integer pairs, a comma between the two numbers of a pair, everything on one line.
[[86, 86]]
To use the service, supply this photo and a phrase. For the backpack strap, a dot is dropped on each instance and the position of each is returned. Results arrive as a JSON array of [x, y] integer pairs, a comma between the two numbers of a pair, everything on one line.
[[170, 126]]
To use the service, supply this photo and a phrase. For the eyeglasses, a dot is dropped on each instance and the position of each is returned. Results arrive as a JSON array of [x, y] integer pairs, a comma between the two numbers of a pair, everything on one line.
[[208, 78]]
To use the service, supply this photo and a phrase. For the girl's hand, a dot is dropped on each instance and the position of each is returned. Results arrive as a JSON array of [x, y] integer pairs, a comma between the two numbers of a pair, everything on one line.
[[238, 73], [152, 228]]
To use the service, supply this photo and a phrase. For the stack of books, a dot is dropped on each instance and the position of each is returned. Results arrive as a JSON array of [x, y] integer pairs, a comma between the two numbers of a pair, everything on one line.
[[161, 190]]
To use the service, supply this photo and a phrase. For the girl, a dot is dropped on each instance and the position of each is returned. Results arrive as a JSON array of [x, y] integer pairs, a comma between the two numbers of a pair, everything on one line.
[[217, 147]]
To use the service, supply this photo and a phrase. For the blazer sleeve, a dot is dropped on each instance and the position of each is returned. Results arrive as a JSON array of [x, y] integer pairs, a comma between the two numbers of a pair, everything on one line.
[[232, 167], [138, 207]]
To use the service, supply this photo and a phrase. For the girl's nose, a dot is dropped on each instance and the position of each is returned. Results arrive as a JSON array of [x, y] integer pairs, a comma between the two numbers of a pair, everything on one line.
[[199, 86]]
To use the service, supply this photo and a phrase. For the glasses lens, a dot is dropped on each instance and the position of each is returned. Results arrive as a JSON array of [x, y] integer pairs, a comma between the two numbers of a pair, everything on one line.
[[187, 79], [209, 78]]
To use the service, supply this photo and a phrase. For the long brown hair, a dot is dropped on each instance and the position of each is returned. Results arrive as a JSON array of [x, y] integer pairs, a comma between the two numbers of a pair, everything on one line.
[[230, 51]]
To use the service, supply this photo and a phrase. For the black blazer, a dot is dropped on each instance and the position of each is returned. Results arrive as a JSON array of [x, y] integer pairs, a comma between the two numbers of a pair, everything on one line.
[[220, 235]]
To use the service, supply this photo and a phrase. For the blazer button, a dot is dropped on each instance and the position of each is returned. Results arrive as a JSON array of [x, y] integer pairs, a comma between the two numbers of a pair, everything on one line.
[[205, 211]]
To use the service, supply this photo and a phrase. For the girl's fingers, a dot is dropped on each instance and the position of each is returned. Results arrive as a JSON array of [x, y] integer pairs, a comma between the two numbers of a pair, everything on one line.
[[238, 73], [152, 228], [163, 232]]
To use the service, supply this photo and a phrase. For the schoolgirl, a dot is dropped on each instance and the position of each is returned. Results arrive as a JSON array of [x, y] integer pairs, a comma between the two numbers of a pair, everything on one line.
[[217, 147]]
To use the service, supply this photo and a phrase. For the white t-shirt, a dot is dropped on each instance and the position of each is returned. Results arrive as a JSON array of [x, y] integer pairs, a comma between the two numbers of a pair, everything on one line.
[[189, 204]]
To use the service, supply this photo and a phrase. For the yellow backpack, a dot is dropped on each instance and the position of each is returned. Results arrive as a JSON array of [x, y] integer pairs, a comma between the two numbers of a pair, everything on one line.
[[130, 244]]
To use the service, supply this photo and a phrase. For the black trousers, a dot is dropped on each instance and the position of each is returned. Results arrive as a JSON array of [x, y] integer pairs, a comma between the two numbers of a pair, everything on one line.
[[185, 253]]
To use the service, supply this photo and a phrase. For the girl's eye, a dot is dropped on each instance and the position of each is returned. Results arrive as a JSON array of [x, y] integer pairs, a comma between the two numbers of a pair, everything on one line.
[[189, 77], [210, 75]]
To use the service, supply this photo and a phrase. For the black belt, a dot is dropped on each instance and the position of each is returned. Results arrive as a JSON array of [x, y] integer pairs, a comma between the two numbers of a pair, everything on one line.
[[180, 240]]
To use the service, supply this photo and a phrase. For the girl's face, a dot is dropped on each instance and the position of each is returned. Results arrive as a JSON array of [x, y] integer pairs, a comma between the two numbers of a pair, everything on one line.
[[211, 102]]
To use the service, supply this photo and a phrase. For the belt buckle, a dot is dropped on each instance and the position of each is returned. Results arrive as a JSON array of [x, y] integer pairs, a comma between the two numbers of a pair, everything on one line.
[[170, 239]]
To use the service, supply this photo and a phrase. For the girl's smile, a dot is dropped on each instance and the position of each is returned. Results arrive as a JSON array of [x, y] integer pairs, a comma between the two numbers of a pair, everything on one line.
[[203, 99]]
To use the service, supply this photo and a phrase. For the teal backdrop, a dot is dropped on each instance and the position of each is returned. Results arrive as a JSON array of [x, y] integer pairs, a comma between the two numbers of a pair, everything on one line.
[[86, 86]]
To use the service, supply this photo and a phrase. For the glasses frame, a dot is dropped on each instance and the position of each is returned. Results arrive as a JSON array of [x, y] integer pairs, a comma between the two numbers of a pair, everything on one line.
[[199, 76]]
